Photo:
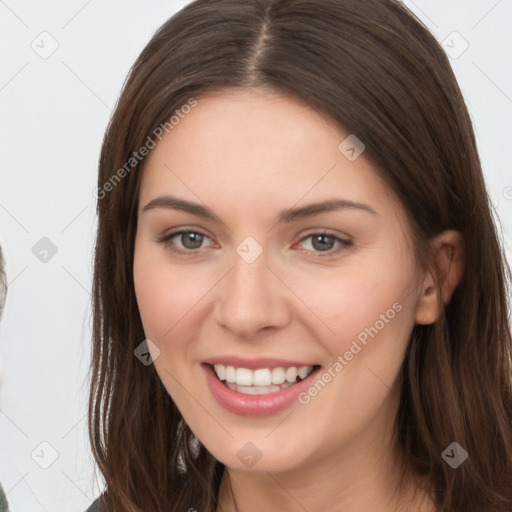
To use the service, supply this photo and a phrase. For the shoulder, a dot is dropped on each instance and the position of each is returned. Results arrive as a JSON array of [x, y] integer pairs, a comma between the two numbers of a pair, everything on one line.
[[3, 501], [94, 506]]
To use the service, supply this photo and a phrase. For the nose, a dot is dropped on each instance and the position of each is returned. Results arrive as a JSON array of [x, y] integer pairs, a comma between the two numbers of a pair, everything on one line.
[[251, 298]]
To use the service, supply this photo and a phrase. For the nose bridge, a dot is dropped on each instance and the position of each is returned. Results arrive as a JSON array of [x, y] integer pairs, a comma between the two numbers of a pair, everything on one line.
[[248, 278], [250, 299]]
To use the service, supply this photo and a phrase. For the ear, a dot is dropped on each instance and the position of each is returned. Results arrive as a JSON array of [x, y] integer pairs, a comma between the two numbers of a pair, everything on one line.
[[445, 272]]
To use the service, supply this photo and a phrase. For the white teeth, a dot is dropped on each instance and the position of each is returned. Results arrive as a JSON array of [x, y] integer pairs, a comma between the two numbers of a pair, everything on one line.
[[278, 375], [303, 372], [220, 370], [291, 374], [262, 377], [257, 390], [230, 373], [243, 377]]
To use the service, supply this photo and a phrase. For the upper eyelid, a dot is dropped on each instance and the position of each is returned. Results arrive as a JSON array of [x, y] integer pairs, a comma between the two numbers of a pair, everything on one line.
[[172, 234], [343, 242], [181, 231], [316, 231]]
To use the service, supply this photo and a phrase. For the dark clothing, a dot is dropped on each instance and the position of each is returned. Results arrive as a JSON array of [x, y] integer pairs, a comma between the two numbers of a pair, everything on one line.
[[93, 507], [3, 501]]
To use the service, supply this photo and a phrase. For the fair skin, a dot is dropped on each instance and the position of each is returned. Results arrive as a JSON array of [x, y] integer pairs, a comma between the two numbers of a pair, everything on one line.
[[246, 156]]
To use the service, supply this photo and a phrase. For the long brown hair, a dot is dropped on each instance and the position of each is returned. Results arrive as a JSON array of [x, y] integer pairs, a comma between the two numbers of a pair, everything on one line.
[[373, 68]]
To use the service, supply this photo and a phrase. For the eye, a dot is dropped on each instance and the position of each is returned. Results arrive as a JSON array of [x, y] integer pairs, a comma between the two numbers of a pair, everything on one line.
[[184, 241], [187, 241], [325, 242]]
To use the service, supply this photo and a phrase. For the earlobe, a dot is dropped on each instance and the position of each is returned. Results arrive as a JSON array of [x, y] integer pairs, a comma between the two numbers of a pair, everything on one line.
[[444, 274]]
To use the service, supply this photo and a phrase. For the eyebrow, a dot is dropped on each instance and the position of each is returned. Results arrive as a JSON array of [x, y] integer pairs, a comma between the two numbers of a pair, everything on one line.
[[285, 216]]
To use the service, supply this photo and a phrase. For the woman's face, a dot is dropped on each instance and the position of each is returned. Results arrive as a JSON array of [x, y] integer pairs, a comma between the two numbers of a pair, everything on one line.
[[264, 280]]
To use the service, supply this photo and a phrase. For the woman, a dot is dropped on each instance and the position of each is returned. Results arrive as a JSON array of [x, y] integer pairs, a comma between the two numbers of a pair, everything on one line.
[[299, 293]]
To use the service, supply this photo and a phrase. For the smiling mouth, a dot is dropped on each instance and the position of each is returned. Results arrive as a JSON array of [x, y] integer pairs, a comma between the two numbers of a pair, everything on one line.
[[261, 381]]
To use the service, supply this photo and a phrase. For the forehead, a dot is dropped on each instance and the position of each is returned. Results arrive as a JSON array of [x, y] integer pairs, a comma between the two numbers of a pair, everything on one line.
[[245, 146]]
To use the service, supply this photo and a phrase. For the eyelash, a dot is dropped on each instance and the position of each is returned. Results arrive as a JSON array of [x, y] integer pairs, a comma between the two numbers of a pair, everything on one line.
[[343, 243]]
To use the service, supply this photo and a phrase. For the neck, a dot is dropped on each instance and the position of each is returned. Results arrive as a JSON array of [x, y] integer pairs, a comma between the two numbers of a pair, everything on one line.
[[240, 491], [366, 475]]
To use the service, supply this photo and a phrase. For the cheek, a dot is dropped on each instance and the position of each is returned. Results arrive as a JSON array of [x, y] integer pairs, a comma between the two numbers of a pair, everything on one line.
[[165, 294], [370, 311], [353, 298], [367, 312], [166, 297]]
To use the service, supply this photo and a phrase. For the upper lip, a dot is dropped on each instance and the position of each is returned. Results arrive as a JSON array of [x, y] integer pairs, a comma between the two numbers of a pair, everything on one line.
[[254, 364]]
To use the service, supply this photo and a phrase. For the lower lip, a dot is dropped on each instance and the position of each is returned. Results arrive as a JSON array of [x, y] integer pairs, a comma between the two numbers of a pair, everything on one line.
[[254, 405]]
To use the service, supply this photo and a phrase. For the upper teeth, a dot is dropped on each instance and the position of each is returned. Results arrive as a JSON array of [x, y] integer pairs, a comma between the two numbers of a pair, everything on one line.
[[261, 376]]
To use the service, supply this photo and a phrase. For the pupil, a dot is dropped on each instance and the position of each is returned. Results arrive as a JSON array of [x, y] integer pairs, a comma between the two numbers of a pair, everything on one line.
[[323, 242], [192, 240]]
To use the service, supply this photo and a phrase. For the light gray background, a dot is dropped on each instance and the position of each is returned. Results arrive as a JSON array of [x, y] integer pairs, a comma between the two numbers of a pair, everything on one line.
[[53, 114]]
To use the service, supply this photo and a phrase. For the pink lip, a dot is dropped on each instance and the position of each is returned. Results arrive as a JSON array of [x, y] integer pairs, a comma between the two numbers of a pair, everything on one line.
[[255, 405], [254, 364]]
